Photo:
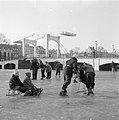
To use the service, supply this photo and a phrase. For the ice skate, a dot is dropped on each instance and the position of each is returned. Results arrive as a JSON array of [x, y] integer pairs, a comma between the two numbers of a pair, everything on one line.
[[39, 92], [63, 93], [90, 92]]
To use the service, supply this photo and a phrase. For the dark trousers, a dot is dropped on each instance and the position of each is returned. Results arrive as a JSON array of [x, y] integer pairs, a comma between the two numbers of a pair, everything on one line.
[[22, 89], [49, 75], [57, 72], [67, 77], [42, 73], [35, 71], [32, 90], [90, 77]]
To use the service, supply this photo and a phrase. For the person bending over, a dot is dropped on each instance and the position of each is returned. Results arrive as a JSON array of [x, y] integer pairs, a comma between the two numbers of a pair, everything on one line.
[[89, 78]]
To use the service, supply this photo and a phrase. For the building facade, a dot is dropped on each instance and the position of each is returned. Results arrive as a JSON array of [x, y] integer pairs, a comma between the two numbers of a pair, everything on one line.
[[11, 52], [6, 52]]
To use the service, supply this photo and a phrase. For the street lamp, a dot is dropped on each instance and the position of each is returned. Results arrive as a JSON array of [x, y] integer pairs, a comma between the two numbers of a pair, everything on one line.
[[113, 50], [96, 49]]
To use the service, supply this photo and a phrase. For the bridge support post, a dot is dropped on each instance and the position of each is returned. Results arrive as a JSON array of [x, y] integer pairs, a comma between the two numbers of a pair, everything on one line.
[[26, 41], [57, 40]]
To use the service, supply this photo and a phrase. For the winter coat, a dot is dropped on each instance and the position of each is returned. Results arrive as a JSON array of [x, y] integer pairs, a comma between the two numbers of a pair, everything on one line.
[[34, 64], [58, 67], [28, 83], [88, 69], [72, 63], [15, 81], [48, 68]]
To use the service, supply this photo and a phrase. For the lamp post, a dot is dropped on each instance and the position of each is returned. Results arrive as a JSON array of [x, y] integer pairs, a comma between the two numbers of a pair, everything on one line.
[[114, 53], [113, 50], [96, 49]]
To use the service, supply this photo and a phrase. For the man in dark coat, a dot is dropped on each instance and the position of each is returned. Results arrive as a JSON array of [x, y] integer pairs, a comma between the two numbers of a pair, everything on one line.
[[34, 67], [70, 68]]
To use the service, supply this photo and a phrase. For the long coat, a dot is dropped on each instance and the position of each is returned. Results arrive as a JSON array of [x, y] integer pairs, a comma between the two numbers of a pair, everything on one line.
[[15, 81], [48, 68], [28, 83]]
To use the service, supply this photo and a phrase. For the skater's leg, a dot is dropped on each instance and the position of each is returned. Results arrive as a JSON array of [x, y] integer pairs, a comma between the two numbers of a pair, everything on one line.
[[59, 73], [90, 83], [67, 78]]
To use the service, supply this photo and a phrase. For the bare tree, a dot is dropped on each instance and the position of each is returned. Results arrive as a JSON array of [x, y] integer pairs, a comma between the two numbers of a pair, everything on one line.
[[77, 50], [3, 39]]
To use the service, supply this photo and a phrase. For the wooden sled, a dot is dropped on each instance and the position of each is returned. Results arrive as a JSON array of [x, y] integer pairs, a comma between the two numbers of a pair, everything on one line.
[[13, 92]]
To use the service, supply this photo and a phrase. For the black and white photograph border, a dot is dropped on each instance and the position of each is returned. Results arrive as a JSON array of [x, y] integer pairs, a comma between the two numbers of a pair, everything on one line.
[[36, 36]]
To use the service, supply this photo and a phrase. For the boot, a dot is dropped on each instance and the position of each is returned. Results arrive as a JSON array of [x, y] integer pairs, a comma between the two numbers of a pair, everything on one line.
[[39, 92], [63, 93], [90, 91]]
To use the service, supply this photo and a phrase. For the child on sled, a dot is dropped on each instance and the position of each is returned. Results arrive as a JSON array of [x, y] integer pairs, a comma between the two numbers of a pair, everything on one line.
[[15, 84], [32, 90]]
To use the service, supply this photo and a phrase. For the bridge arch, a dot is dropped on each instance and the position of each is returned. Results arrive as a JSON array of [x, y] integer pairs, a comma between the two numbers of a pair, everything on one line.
[[107, 66], [9, 66]]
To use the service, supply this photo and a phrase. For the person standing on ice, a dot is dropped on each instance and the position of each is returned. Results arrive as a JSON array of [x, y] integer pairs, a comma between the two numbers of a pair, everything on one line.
[[70, 68]]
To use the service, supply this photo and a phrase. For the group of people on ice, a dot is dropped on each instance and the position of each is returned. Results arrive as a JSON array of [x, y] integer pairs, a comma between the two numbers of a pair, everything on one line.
[[35, 65], [84, 72], [45, 67]]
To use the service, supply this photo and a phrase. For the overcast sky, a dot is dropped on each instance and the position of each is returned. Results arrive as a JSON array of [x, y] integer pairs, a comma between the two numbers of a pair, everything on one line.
[[90, 20]]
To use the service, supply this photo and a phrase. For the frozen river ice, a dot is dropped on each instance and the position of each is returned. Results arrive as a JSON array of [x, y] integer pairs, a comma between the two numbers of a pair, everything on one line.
[[50, 106]]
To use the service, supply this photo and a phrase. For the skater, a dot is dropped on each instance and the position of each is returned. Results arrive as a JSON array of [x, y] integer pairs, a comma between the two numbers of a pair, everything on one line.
[[15, 83], [32, 90], [48, 70], [34, 67], [58, 69], [70, 68], [89, 77]]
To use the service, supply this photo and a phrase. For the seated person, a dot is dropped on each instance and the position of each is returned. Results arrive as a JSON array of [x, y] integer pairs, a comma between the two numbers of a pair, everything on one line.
[[16, 84], [33, 90]]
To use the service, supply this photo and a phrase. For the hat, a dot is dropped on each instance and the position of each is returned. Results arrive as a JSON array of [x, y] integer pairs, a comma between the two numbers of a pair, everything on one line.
[[28, 74], [16, 73], [74, 59]]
